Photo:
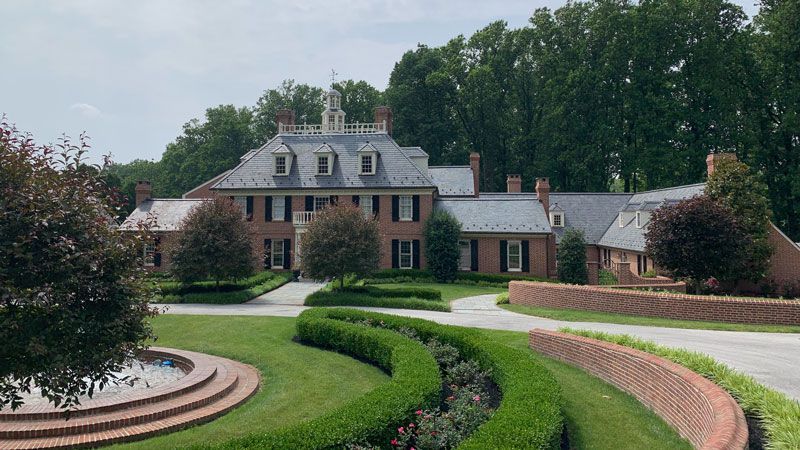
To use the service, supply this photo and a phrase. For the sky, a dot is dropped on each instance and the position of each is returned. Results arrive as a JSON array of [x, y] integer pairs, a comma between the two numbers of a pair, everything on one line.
[[130, 74]]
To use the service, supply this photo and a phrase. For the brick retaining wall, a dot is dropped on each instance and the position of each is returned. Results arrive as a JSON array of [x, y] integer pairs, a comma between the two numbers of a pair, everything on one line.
[[655, 304], [699, 410]]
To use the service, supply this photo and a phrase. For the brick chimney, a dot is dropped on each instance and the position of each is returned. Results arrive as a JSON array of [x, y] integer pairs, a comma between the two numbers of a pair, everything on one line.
[[144, 191], [475, 164], [384, 113], [543, 192], [285, 117], [714, 159], [514, 183]]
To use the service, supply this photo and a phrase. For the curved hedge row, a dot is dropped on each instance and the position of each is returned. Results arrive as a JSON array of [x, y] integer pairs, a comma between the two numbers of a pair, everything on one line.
[[529, 415], [344, 298], [415, 383]]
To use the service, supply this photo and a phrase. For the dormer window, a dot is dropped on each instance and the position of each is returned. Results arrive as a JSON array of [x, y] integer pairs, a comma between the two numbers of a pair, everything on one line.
[[557, 219], [367, 166], [324, 156], [367, 159], [323, 165], [280, 165], [283, 160]]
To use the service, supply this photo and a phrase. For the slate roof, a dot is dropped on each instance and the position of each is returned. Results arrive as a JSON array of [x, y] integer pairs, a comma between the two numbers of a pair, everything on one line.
[[629, 237], [413, 151], [590, 212], [453, 180], [498, 213], [394, 168], [168, 213]]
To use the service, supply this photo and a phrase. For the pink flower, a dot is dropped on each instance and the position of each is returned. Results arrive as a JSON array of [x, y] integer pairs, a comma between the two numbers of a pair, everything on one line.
[[419, 412], [394, 442], [411, 425], [401, 430], [477, 398]]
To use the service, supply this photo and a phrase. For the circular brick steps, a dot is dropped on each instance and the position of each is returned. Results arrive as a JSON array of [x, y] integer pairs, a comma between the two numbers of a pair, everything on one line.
[[211, 387]]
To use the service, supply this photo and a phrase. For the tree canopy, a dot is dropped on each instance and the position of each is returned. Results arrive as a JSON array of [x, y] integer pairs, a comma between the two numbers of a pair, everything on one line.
[[442, 253], [69, 280]]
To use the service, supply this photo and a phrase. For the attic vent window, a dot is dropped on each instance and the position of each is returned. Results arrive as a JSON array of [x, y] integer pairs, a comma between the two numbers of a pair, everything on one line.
[[557, 219]]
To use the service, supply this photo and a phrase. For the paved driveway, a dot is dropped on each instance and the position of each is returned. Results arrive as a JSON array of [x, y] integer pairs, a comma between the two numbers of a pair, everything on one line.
[[771, 358]]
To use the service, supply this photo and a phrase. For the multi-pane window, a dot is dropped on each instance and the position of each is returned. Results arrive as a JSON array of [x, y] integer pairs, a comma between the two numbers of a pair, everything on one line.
[[149, 254], [365, 203], [557, 219], [465, 261], [406, 255], [514, 256], [277, 254], [280, 165], [242, 202], [366, 165], [638, 219], [406, 207], [323, 164], [278, 208], [606, 257], [321, 202]]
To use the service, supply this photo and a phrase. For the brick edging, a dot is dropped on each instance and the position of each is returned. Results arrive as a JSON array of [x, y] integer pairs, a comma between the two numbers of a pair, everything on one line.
[[698, 409]]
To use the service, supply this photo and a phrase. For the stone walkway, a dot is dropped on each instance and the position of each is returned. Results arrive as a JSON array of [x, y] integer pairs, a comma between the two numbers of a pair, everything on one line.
[[771, 358], [288, 294]]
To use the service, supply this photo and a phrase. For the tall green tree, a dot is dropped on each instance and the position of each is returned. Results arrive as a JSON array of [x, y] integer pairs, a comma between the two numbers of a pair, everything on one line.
[[442, 231], [359, 100], [305, 100], [572, 257]]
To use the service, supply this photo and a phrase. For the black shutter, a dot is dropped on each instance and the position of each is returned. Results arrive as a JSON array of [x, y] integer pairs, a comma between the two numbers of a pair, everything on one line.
[[526, 260], [356, 200], [334, 199], [415, 253], [376, 204], [503, 256], [287, 209], [287, 254], [395, 254], [157, 259], [249, 207], [309, 203], [415, 207], [268, 208], [395, 208], [473, 253], [267, 253]]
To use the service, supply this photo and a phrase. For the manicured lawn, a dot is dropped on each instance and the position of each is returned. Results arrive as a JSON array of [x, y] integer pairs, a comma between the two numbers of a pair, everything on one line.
[[449, 291], [571, 315], [302, 382], [229, 292], [298, 382], [598, 415]]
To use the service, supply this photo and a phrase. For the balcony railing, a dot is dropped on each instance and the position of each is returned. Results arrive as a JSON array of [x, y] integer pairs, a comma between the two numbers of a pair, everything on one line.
[[347, 128], [302, 218]]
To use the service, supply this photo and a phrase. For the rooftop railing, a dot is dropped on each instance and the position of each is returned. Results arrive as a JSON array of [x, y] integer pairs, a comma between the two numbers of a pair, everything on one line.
[[347, 128]]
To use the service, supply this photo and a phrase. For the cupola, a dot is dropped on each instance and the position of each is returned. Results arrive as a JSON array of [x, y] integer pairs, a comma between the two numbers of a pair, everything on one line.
[[333, 116]]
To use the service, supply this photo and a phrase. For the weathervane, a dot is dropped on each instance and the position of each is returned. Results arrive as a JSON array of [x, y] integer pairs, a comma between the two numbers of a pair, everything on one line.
[[333, 77]]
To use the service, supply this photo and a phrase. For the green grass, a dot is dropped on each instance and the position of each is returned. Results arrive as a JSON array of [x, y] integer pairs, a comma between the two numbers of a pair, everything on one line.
[[449, 291], [778, 415], [598, 415], [298, 382], [571, 315]]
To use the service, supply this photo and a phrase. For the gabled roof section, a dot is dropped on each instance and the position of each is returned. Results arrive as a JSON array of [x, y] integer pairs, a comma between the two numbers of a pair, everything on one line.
[[453, 181], [591, 213], [193, 193], [368, 148], [324, 148], [169, 213], [498, 214], [412, 152], [555, 207], [396, 170], [283, 149]]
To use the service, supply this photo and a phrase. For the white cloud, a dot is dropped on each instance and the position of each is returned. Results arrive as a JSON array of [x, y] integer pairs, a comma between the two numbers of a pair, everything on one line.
[[86, 110]]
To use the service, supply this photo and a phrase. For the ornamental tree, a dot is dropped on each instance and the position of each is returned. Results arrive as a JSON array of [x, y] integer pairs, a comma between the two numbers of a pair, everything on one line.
[[572, 257], [340, 241], [734, 186], [696, 239], [214, 244], [442, 232], [72, 306]]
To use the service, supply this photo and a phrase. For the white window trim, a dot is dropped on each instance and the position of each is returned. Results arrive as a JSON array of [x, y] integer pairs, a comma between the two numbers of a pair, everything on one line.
[[366, 200], [373, 160], [468, 266], [638, 219], [320, 197], [410, 255], [508, 256], [146, 250], [410, 216], [274, 254], [621, 220], [285, 165], [279, 204], [241, 200], [553, 216]]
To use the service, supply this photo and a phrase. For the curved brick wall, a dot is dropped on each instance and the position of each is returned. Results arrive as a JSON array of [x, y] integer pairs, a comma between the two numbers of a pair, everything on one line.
[[655, 304], [698, 409]]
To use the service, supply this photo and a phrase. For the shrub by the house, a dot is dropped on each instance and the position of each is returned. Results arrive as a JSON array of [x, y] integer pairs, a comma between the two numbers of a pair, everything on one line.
[[214, 244], [340, 241], [442, 253], [572, 257]]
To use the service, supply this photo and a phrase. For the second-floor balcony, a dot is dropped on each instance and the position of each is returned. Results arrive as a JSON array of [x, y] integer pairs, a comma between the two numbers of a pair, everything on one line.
[[302, 218]]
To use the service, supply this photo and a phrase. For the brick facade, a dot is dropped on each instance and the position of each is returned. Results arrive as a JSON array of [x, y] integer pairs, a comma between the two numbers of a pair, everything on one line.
[[489, 253], [699, 410], [656, 304], [204, 190], [785, 263]]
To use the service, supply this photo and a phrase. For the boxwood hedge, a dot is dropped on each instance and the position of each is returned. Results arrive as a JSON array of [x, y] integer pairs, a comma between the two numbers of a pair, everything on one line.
[[374, 291], [529, 415], [340, 297], [470, 278], [415, 383]]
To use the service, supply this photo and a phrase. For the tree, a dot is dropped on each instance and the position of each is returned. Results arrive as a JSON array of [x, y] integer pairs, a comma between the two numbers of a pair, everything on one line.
[[214, 244], [696, 239], [359, 100], [72, 306], [572, 257], [340, 241], [305, 100], [734, 186], [442, 252]]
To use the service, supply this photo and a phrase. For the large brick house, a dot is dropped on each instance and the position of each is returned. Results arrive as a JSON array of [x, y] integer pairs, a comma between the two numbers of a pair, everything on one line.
[[304, 168]]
